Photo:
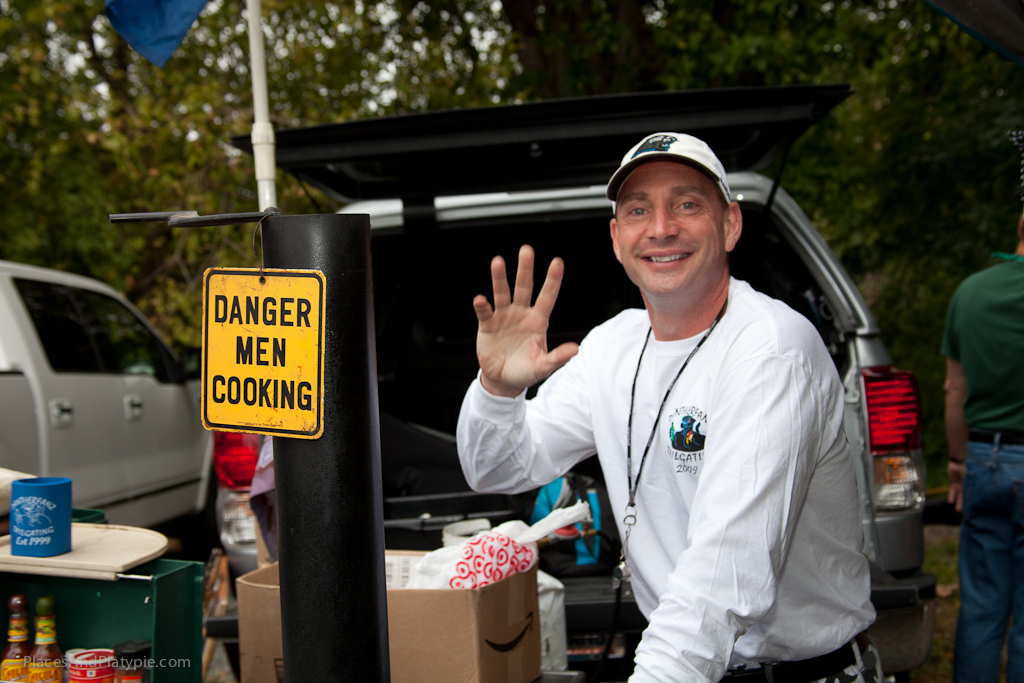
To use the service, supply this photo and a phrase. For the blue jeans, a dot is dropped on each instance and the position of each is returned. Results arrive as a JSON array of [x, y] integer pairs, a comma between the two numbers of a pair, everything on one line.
[[991, 564]]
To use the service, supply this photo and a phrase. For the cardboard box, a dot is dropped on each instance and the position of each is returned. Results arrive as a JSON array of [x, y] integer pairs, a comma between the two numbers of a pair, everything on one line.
[[487, 635], [259, 625]]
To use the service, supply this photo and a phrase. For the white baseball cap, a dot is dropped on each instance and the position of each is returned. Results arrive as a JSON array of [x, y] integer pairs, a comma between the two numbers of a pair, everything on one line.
[[680, 147]]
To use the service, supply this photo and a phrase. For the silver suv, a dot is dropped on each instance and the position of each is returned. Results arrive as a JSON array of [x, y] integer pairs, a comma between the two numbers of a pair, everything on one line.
[[446, 191]]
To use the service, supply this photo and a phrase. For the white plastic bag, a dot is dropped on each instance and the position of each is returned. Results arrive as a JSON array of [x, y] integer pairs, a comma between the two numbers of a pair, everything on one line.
[[490, 556], [554, 655]]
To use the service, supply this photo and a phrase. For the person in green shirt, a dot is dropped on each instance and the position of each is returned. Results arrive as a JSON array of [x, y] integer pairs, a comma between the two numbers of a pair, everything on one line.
[[984, 349]]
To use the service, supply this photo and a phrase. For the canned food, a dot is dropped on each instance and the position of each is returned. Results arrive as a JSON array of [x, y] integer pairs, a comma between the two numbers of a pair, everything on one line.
[[91, 666]]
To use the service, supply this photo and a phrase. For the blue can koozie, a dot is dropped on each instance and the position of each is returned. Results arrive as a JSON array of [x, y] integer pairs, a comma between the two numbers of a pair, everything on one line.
[[41, 516]]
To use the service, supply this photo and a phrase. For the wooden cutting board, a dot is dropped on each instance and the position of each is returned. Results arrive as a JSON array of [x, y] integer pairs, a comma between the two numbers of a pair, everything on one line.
[[98, 551]]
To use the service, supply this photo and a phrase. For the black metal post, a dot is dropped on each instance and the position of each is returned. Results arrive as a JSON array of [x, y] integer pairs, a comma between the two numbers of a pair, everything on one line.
[[329, 505]]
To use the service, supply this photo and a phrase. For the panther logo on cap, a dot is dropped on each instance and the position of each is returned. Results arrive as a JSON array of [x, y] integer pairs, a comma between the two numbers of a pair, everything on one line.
[[655, 143]]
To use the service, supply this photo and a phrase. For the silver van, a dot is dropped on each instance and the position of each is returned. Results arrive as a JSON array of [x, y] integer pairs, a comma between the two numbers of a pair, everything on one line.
[[447, 191]]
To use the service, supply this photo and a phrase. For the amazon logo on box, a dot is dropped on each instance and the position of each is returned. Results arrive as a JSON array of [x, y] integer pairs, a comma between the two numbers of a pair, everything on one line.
[[479, 635]]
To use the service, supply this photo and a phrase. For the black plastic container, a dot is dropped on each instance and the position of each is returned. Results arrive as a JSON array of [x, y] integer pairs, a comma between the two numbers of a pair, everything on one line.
[[415, 522]]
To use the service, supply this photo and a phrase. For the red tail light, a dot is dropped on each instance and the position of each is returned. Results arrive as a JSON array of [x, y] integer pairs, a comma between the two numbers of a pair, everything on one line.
[[234, 458], [894, 409]]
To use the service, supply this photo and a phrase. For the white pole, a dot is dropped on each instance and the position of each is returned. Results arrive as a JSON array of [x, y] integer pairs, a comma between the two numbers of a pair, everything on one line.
[[262, 131]]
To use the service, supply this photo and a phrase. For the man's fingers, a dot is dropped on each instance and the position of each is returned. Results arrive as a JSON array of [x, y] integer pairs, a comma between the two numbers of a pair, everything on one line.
[[559, 356], [499, 282], [482, 308], [524, 277], [552, 283], [956, 497]]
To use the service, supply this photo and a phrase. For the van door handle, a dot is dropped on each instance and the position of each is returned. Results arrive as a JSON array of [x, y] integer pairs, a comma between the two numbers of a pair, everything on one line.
[[61, 412], [132, 407]]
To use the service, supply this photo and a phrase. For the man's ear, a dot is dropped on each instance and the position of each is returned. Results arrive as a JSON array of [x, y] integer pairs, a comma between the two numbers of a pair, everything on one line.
[[733, 220], [614, 227]]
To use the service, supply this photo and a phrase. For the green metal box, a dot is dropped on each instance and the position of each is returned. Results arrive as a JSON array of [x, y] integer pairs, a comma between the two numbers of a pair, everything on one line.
[[160, 601]]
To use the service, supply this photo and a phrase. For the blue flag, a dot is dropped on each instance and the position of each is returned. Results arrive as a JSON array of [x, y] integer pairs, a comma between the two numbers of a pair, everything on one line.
[[154, 28]]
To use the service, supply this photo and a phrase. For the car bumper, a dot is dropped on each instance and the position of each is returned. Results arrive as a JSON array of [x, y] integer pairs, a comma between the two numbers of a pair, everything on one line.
[[905, 624], [237, 530], [241, 557], [902, 631]]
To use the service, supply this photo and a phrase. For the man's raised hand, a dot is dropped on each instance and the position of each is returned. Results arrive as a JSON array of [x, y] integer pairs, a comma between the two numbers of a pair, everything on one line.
[[512, 340]]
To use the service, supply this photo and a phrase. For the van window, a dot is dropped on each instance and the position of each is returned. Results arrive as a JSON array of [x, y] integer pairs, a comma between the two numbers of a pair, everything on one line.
[[86, 331], [60, 325], [125, 344]]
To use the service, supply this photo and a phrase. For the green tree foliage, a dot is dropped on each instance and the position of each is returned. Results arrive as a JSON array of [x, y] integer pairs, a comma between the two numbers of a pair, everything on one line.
[[910, 179], [91, 128], [584, 47]]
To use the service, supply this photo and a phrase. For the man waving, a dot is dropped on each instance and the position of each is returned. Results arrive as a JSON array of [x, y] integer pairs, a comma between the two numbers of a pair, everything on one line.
[[717, 417]]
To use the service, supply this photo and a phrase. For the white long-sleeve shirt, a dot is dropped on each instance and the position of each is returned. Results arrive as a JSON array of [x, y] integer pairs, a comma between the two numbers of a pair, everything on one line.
[[745, 550]]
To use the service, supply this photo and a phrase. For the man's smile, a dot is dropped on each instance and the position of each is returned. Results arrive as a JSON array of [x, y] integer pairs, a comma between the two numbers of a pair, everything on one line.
[[666, 259]]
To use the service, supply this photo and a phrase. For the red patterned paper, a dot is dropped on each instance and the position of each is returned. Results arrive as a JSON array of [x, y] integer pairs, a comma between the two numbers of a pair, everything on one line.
[[490, 557]]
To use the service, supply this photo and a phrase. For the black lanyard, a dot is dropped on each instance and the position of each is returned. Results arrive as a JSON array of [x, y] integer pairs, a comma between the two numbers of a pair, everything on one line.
[[654, 430]]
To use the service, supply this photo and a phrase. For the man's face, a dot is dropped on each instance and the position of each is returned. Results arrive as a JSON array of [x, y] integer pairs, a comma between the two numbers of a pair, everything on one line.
[[672, 231]]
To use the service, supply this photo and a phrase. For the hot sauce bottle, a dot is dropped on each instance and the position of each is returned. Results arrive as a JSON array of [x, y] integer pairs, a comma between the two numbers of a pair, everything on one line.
[[131, 661], [47, 663], [12, 659]]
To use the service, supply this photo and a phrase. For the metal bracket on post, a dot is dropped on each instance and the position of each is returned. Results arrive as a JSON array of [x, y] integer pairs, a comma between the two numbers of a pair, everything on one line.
[[192, 219]]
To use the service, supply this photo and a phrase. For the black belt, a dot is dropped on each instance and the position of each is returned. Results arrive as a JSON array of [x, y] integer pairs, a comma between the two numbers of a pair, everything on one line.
[[804, 671], [1006, 438]]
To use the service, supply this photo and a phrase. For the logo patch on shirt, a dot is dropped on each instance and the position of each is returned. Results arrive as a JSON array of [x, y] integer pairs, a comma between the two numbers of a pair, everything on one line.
[[686, 432], [686, 435]]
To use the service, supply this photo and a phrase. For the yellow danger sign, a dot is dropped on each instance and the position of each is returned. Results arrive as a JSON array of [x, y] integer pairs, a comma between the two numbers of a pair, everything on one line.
[[263, 351]]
